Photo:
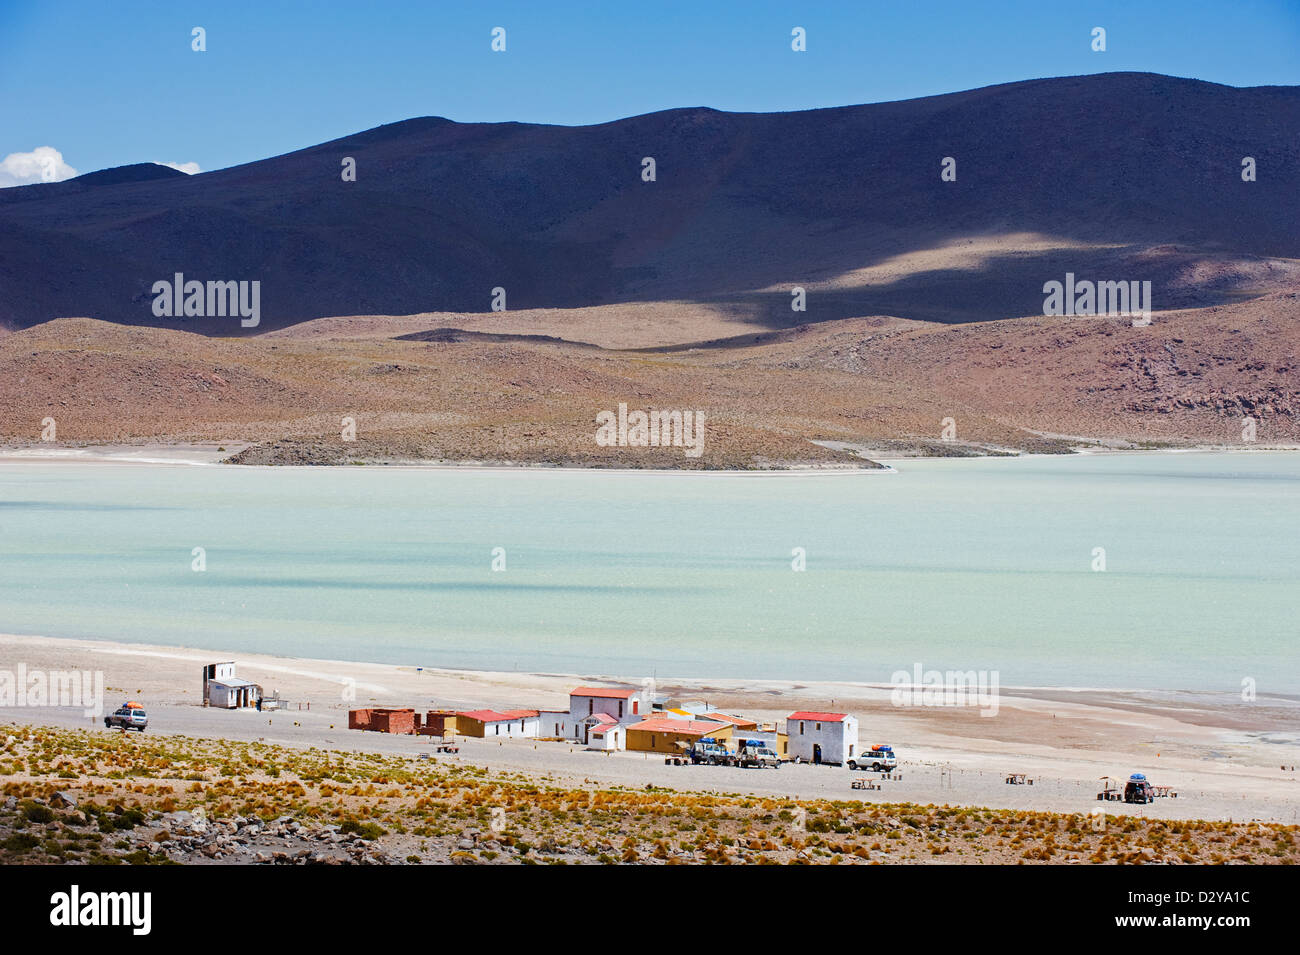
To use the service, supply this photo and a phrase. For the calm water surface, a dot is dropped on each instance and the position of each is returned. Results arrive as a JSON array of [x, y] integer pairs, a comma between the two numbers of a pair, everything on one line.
[[954, 564]]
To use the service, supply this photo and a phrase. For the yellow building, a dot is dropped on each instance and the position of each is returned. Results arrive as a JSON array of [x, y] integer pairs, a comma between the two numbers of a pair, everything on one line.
[[661, 734]]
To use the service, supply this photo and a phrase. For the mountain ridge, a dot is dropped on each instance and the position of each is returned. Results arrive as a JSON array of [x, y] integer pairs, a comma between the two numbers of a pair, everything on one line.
[[1101, 168]]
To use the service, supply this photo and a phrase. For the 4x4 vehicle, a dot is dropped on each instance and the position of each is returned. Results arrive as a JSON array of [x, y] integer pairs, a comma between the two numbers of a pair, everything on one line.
[[1137, 789], [708, 751], [755, 754], [127, 717], [878, 759]]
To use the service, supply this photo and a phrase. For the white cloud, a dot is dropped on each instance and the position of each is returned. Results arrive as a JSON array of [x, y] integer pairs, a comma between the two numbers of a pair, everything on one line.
[[189, 168], [42, 164]]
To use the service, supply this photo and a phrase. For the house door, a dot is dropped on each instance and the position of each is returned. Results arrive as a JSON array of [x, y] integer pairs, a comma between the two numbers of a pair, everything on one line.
[[817, 753]]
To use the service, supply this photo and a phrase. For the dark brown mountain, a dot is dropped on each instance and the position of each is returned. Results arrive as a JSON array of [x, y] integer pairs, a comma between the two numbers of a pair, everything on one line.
[[1111, 176]]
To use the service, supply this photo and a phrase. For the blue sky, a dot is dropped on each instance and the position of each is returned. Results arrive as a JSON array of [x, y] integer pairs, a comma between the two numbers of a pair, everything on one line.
[[113, 83]]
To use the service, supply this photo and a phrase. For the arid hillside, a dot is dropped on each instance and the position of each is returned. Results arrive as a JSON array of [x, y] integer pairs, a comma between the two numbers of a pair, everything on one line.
[[419, 388]]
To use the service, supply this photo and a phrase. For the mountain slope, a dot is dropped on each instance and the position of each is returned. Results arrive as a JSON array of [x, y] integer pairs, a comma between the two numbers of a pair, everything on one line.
[[1114, 176]]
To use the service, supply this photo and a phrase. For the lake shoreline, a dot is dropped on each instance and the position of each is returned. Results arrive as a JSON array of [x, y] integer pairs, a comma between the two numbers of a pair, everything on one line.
[[1223, 766], [211, 455]]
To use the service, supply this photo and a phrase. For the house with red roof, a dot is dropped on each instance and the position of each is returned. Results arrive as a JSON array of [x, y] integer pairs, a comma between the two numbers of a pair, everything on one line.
[[820, 737], [494, 724], [625, 704], [661, 734]]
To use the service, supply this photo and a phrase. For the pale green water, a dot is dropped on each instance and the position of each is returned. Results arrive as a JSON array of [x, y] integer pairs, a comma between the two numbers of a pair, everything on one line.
[[967, 564]]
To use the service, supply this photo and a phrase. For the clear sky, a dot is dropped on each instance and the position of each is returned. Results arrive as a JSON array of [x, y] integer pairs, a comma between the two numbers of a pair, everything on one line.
[[108, 83]]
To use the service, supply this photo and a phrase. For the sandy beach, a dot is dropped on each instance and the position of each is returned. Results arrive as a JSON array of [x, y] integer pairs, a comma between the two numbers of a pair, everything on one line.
[[1225, 760]]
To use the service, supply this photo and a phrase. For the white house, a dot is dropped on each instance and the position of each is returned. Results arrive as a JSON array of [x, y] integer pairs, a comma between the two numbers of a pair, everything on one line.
[[822, 737], [622, 703]]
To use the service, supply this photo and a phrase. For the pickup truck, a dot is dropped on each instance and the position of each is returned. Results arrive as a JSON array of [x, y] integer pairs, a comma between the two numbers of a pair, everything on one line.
[[127, 718]]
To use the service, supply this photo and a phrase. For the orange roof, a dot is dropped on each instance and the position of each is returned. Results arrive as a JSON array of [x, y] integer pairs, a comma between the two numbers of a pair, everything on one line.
[[688, 727], [818, 717], [604, 692], [724, 718]]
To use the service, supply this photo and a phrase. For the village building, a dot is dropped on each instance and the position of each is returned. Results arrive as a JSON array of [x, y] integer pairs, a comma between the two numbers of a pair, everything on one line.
[[555, 724], [606, 733], [695, 707], [491, 724], [221, 688], [822, 737], [438, 723], [622, 703], [404, 721], [739, 722], [661, 734]]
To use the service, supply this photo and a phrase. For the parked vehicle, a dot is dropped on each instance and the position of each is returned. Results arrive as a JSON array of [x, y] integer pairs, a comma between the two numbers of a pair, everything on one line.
[[755, 753], [879, 759], [1137, 789], [129, 717], [708, 751]]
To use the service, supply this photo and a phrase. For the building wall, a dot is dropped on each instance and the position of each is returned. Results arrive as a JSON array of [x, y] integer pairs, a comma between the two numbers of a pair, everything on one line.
[[557, 724], [612, 738], [376, 720], [438, 723], [520, 727], [635, 706], [231, 697], [468, 726], [665, 741], [839, 741], [216, 671]]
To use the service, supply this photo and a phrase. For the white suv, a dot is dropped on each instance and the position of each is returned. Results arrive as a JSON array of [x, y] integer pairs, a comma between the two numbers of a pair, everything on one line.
[[878, 759]]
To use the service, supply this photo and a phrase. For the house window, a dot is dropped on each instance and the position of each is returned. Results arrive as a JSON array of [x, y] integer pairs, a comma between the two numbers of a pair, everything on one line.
[[635, 707], [801, 727], [819, 726], [591, 707], [620, 709]]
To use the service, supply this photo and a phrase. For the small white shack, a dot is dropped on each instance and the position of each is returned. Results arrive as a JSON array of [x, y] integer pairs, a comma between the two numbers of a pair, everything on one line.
[[222, 689], [605, 734], [822, 737]]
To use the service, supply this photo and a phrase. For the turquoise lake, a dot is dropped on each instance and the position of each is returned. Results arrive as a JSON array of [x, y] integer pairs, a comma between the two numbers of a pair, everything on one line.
[[982, 564]]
